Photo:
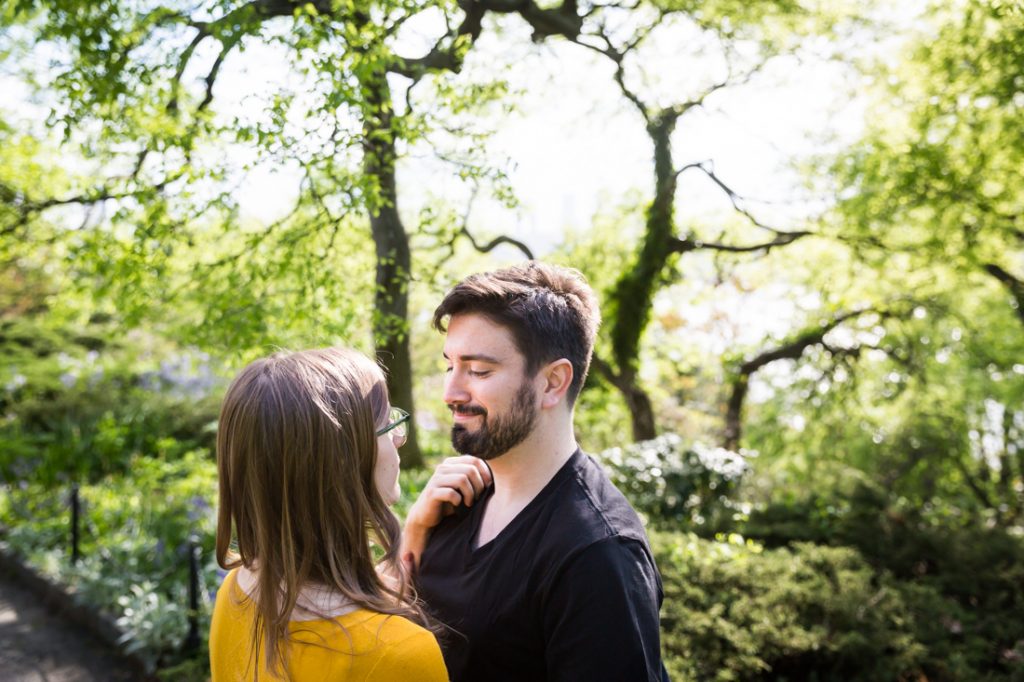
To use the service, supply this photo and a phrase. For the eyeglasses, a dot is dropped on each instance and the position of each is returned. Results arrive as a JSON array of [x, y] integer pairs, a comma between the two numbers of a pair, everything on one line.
[[398, 426]]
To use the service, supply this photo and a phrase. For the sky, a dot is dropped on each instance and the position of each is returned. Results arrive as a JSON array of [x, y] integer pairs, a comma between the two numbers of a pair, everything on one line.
[[575, 148]]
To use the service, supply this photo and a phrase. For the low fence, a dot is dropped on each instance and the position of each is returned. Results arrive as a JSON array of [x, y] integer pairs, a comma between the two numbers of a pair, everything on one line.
[[97, 617], [191, 642]]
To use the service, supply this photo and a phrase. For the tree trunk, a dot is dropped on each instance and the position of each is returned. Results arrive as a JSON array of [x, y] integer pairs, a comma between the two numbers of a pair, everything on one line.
[[734, 413], [641, 411], [632, 297], [391, 298], [637, 401]]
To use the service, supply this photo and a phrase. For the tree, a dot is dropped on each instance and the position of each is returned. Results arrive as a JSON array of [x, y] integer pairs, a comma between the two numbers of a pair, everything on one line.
[[936, 184], [135, 85], [938, 174], [743, 39]]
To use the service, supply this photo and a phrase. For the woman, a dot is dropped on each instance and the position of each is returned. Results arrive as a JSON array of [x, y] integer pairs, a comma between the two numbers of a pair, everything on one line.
[[307, 456]]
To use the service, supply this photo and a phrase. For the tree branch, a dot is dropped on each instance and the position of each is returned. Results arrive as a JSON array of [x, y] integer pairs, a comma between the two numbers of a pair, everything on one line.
[[729, 80], [796, 347], [229, 30], [183, 60], [707, 167], [610, 375], [25, 208], [491, 245], [441, 57], [688, 244], [618, 58], [562, 20], [497, 241], [1014, 285], [684, 107], [978, 491], [211, 77], [792, 350]]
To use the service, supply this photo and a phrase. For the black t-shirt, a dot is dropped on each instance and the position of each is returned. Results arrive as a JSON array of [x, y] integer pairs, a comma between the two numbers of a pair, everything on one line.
[[567, 591]]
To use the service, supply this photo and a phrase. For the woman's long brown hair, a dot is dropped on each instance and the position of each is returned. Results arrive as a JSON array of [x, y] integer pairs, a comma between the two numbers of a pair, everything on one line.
[[296, 452]]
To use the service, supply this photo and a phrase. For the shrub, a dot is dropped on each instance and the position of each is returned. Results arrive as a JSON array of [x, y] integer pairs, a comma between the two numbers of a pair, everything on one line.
[[76, 407], [963, 583], [135, 541], [734, 611], [675, 486]]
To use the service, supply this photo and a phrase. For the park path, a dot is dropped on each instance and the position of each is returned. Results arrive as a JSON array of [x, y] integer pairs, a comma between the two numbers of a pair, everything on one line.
[[37, 645]]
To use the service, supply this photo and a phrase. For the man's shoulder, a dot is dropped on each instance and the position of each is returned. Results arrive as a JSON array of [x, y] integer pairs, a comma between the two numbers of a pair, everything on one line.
[[591, 509]]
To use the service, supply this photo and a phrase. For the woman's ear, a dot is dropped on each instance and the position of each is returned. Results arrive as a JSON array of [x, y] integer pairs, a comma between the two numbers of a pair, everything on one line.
[[557, 378]]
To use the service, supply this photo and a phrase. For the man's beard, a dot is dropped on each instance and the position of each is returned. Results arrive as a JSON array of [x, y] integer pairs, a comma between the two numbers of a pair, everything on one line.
[[497, 435]]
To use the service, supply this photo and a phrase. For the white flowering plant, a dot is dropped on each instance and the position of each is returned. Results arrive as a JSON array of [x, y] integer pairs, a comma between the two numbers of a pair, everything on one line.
[[678, 485]]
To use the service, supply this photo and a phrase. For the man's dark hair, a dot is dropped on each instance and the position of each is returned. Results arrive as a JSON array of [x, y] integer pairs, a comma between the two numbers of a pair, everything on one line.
[[550, 311]]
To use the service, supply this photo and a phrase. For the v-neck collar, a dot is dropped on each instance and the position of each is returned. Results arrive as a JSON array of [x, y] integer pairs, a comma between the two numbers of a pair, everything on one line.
[[472, 551]]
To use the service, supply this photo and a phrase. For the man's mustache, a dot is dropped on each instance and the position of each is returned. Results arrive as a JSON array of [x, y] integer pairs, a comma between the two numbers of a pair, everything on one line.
[[467, 410]]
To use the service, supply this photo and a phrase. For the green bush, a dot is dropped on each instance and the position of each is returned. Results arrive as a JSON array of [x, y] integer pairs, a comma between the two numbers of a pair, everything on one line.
[[963, 582], [135, 532], [77, 407], [735, 611]]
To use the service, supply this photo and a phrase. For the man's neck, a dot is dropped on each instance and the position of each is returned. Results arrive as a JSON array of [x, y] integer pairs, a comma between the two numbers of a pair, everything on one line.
[[522, 472], [519, 476]]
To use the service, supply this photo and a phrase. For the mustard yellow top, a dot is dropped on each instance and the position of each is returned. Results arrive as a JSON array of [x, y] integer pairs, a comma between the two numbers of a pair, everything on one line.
[[373, 647]]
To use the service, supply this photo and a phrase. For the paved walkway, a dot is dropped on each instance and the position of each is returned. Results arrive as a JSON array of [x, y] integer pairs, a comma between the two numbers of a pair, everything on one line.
[[38, 646]]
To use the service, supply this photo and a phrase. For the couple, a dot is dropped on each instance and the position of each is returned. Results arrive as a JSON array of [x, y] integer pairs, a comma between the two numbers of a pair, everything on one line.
[[520, 557]]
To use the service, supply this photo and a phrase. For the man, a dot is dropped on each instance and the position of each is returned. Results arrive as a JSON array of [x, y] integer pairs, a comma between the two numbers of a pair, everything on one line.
[[536, 563]]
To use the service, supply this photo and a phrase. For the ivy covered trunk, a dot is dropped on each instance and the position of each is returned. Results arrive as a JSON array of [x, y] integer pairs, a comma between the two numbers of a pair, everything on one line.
[[632, 298]]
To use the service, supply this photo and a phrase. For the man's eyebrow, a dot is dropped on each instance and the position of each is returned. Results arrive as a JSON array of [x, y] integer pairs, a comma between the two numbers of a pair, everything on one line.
[[476, 357]]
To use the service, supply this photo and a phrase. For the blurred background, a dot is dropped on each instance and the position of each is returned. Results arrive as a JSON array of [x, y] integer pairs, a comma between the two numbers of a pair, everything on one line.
[[804, 221]]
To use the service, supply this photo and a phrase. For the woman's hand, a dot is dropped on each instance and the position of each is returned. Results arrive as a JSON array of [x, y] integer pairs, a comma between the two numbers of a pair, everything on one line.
[[456, 480]]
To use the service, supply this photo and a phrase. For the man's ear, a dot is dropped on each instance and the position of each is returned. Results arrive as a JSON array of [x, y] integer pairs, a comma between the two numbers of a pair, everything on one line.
[[557, 377]]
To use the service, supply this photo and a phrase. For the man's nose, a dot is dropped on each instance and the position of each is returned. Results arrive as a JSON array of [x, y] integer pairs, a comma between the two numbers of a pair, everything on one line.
[[454, 392]]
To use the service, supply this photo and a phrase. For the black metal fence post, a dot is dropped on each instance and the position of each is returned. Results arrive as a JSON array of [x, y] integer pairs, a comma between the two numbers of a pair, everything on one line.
[[192, 638], [75, 513]]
